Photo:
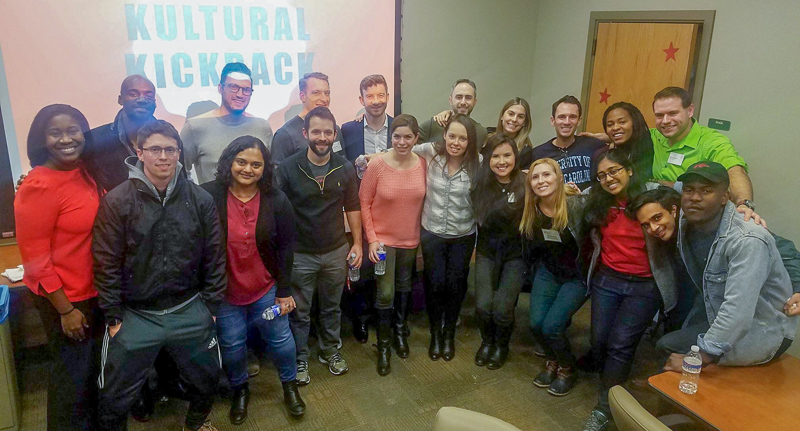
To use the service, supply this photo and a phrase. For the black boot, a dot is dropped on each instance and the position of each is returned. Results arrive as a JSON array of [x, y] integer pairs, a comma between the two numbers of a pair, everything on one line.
[[449, 321], [402, 302], [384, 342], [360, 331], [487, 330], [291, 398], [145, 404], [239, 401], [500, 354]]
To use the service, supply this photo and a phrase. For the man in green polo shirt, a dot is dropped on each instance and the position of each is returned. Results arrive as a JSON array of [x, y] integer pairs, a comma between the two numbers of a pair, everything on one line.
[[679, 141]]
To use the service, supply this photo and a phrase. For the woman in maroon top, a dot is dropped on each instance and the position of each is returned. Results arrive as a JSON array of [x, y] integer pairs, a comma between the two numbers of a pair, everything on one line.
[[55, 209], [258, 227]]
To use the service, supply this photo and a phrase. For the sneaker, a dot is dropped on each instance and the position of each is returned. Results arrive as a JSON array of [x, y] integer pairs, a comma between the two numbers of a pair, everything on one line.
[[539, 351], [548, 376], [565, 381], [336, 363], [205, 427], [253, 364], [302, 373], [597, 421]]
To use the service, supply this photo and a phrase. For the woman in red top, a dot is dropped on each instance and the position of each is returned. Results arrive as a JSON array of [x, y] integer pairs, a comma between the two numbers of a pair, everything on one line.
[[55, 209], [258, 230], [392, 193], [625, 296]]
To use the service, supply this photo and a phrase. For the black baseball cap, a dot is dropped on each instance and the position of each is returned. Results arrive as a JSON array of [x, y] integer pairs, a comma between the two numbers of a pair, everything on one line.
[[712, 171]]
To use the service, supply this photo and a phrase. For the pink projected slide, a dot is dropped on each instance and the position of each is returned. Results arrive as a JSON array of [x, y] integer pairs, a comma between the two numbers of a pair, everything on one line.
[[78, 52]]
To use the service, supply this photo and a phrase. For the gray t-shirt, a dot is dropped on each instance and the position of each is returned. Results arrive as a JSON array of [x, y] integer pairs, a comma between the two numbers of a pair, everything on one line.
[[204, 139], [289, 139]]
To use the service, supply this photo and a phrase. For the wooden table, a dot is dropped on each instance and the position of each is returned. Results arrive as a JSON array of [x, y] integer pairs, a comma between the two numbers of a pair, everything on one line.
[[763, 397], [9, 258]]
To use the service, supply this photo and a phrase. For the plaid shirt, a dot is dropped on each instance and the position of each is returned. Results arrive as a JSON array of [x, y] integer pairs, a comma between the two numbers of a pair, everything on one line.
[[447, 211]]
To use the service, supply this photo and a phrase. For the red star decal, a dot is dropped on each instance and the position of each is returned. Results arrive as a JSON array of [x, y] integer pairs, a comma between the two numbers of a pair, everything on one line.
[[604, 96], [671, 52]]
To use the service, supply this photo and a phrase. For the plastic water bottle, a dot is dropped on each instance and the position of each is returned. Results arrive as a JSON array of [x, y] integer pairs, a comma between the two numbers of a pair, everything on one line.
[[361, 166], [692, 364], [354, 274], [271, 312], [380, 267]]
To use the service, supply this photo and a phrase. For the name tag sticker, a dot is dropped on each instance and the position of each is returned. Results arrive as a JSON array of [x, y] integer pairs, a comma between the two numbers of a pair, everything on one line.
[[511, 198], [337, 146], [551, 235], [675, 159]]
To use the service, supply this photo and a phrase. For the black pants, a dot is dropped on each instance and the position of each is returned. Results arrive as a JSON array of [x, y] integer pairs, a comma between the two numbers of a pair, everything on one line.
[[71, 392], [622, 308], [188, 335], [446, 272]]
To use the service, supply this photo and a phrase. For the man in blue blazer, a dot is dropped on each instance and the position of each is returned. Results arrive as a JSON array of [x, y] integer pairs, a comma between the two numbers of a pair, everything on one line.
[[371, 134], [368, 136]]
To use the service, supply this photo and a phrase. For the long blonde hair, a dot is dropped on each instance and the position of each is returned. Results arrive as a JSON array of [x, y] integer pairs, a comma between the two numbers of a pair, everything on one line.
[[521, 138], [532, 215]]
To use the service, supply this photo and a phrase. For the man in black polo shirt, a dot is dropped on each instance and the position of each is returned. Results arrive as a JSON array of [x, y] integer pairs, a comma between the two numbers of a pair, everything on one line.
[[319, 184], [573, 153]]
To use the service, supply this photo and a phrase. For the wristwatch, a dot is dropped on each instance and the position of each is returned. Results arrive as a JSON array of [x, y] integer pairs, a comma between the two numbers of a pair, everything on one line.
[[749, 204]]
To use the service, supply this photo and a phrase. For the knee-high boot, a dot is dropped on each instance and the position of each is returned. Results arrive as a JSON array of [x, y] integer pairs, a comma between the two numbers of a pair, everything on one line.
[[500, 354], [487, 330], [384, 341], [402, 301]]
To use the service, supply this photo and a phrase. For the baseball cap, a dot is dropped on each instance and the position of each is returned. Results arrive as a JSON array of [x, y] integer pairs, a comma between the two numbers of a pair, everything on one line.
[[712, 171]]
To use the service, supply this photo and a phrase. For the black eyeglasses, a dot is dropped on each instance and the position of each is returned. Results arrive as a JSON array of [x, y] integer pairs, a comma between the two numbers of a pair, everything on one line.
[[156, 151], [233, 88], [613, 172]]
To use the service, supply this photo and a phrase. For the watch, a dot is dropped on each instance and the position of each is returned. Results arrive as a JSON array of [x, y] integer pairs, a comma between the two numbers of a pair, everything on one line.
[[749, 204]]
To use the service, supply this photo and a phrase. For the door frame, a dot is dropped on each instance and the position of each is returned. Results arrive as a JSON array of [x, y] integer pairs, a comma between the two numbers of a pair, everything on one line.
[[703, 17]]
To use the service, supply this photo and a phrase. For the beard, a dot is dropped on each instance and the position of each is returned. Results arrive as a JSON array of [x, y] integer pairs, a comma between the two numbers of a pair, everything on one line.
[[315, 150]]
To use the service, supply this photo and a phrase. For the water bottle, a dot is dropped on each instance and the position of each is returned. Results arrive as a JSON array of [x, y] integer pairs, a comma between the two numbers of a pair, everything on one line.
[[380, 267], [692, 364], [354, 274], [361, 166], [271, 312]]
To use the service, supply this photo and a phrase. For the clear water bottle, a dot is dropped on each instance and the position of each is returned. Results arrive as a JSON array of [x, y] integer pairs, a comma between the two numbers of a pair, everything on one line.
[[271, 312], [692, 364], [353, 273], [361, 166], [380, 267]]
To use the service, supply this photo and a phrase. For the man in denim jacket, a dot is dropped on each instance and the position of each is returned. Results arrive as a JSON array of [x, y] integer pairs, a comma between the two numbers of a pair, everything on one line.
[[739, 269]]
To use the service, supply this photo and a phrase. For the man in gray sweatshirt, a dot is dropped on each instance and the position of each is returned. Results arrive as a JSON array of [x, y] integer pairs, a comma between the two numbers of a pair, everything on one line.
[[205, 136]]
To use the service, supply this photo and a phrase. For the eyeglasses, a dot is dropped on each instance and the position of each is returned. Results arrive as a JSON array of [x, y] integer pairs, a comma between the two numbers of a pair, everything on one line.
[[156, 151], [233, 88], [613, 172]]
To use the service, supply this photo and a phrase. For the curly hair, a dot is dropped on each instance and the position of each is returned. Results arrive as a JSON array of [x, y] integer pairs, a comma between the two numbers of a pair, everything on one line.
[[238, 145], [639, 147]]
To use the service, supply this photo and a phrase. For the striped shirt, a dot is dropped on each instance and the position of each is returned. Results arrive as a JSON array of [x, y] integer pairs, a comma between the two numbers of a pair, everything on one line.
[[447, 211]]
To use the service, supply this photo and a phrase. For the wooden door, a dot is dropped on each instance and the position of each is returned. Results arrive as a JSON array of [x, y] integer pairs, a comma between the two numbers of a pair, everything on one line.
[[634, 61]]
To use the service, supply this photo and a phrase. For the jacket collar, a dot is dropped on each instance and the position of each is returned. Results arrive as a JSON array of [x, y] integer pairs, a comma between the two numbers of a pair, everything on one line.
[[724, 225], [118, 126], [136, 172]]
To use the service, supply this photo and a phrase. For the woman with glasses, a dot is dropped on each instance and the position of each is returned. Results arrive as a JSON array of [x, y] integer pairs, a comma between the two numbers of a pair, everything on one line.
[[630, 276], [553, 229], [392, 192], [258, 230], [497, 199], [55, 209]]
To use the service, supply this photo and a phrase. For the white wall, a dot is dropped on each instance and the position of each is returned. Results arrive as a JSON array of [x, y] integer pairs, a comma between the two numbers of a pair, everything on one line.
[[490, 42], [752, 80]]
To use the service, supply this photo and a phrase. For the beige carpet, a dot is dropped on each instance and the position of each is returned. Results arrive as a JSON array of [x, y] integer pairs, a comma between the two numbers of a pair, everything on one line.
[[406, 399]]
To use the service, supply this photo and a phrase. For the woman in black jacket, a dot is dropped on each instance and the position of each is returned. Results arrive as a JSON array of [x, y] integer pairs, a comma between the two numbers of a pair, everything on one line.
[[258, 230]]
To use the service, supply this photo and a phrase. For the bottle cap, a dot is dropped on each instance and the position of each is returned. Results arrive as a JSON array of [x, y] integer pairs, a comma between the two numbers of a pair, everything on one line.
[[352, 255], [695, 349]]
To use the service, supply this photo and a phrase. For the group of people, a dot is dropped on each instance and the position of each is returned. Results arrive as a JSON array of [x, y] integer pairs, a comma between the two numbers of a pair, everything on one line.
[[133, 264]]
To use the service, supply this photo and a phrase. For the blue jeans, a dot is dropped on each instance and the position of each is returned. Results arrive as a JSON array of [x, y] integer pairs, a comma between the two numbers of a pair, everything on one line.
[[622, 308], [553, 303], [497, 289], [232, 323]]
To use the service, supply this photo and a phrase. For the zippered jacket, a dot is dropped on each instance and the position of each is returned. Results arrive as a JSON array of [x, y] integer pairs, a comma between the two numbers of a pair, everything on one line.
[[319, 221], [152, 253]]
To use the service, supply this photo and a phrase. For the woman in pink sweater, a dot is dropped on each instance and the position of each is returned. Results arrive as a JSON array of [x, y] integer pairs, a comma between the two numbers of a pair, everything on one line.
[[392, 192]]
